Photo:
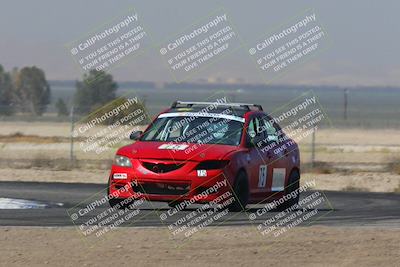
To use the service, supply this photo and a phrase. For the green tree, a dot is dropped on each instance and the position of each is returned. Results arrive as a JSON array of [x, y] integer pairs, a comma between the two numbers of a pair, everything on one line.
[[125, 111], [96, 89], [61, 107], [32, 92], [6, 88]]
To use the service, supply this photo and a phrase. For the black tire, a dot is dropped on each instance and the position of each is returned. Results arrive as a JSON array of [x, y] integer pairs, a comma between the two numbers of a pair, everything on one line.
[[121, 203], [293, 185], [173, 204], [240, 193], [117, 202], [114, 202]]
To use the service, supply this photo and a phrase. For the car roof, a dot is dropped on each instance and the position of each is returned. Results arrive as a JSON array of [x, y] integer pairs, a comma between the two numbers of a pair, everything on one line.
[[234, 111], [237, 109]]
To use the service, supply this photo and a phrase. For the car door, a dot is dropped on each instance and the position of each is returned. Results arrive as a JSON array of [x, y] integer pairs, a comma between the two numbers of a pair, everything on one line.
[[275, 156], [257, 168]]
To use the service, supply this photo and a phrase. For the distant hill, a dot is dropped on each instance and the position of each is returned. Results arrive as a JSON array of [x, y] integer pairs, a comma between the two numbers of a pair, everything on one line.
[[219, 86]]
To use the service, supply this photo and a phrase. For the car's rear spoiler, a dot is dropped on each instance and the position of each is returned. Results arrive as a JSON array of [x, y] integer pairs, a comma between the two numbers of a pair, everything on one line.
[[191, 104]]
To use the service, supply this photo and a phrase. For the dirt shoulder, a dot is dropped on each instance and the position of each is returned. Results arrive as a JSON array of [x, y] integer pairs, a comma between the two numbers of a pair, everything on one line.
[[362, 181], [221, 246]]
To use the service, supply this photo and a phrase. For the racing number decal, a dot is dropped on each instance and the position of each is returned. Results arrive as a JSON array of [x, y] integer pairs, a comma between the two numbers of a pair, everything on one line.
[[278, 179], [262, 176]]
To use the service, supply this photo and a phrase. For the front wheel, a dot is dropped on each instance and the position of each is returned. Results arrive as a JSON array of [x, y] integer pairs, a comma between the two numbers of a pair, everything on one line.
[[240, 192], [174, 204], [293, 186], [120, 203], [117, 202]]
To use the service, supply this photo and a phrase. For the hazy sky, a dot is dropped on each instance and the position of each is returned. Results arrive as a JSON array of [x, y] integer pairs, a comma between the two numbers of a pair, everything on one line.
[[365, 37]]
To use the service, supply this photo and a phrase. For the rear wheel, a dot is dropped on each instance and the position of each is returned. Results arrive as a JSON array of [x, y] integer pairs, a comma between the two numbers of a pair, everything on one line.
[[293, 185], [241, 193]]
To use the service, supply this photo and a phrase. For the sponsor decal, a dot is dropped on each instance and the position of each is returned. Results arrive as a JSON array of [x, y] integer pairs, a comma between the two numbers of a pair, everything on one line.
[[173, 146], [120, 175], [201, 173], [262, 176]]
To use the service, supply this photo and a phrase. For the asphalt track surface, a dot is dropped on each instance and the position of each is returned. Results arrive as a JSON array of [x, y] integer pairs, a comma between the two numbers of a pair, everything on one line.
[[337, 209]]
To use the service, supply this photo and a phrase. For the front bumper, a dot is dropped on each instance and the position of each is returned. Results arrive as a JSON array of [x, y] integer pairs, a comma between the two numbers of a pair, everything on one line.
[[178, 185]]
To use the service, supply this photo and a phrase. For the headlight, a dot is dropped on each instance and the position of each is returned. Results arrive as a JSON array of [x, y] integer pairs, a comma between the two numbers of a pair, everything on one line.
[[212, 164], [122, 161]]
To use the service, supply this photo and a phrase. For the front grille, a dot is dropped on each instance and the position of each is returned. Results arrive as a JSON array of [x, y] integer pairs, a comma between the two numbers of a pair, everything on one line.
[[162, 188], [161, 167]]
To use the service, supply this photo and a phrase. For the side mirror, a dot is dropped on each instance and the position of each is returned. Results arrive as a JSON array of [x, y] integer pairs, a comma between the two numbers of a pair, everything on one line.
[[135, 135]]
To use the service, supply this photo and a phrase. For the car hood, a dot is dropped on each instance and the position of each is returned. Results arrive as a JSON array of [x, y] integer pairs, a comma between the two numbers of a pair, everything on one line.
[[162, 150]]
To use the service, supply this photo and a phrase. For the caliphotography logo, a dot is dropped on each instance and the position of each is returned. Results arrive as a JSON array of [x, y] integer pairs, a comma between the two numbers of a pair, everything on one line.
[[199, 45], [111, 44]]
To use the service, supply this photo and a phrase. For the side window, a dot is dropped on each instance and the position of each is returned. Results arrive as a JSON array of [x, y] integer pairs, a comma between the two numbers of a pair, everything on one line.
[[155, 131], [254, 127], [251, 130], [270, 131]]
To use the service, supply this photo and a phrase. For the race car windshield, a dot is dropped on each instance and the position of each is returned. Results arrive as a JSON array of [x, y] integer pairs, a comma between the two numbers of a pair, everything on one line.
[[196, 129]]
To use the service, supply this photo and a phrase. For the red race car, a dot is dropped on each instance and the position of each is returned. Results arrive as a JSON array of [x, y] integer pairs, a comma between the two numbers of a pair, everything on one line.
[[195, 152]]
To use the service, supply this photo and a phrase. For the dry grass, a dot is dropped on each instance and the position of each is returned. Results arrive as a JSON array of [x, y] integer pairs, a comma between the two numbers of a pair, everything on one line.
[[43, 162], [397, 190], [394, 164], [352, 188], [19, 137], [318, 167]]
